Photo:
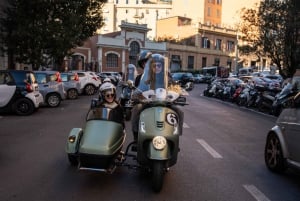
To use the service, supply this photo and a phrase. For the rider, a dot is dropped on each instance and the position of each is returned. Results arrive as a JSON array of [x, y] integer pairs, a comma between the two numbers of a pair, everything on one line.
[[108, 94], [155, 65], [143, 58]]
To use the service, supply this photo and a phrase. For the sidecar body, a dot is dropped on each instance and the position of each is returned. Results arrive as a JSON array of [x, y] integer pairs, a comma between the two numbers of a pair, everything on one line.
[[98, 146]]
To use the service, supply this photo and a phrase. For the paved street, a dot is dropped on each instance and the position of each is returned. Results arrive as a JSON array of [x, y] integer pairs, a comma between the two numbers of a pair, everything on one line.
[[221, 158]]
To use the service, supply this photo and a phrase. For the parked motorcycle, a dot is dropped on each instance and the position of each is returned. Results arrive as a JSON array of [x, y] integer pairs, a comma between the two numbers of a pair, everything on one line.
[[283, 99], [125, 99]]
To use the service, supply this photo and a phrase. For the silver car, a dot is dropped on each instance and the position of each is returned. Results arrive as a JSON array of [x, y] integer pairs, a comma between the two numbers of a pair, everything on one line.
[[282, 148], [51, 87], [71, 85]]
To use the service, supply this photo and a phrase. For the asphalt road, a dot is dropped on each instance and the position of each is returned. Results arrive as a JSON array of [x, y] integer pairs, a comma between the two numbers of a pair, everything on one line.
[[221, 159]]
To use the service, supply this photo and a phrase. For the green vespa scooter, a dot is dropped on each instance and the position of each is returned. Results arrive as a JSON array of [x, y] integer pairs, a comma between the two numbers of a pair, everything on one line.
[[160, 123]]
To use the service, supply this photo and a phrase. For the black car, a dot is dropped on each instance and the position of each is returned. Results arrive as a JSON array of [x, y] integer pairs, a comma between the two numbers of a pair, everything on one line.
[[19, 92], [184, 79]]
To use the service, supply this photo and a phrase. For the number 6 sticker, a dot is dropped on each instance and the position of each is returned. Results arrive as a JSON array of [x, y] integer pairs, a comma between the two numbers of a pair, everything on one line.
[[172, 119]]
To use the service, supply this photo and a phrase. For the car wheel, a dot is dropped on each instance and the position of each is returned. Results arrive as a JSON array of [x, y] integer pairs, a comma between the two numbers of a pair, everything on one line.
[[90, 89], [72, 94], [274, 155], [53, 100], [23, 107]]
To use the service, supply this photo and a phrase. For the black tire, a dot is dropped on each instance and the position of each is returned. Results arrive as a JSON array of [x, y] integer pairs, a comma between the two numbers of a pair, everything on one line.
[[53, 100], [89, 89], [23, 107], [72, 94], [273, 154], [158, 173], [127, 114], [73, 160]]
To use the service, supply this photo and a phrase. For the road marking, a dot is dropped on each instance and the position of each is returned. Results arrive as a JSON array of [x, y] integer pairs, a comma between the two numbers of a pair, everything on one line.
[[209, 149], [257, 194], [185, 125]]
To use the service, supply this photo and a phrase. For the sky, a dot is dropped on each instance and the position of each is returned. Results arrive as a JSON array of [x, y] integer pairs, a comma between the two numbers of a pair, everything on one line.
[[231, 8]]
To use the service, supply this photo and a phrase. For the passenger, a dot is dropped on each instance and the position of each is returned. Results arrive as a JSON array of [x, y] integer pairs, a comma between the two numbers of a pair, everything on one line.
[[108, 94]]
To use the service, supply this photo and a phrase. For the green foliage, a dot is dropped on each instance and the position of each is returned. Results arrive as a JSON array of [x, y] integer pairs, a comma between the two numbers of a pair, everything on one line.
[[34, 31], [273, 30]]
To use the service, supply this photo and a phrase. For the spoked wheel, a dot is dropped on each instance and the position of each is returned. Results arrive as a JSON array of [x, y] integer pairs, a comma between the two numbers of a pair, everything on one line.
[[53, 100], [274, 155], [72, 94], [158, 173]]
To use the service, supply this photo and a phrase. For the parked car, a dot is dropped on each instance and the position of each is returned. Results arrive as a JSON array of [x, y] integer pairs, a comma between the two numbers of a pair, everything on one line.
[[115, 77], [19, 92], [184, 79], [51, 87], [282, 148], [89, 82], [198, 78], [71, 84]]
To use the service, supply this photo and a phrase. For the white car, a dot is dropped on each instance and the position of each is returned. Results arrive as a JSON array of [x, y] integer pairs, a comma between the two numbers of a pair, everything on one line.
[[19, 92], [89, 82]]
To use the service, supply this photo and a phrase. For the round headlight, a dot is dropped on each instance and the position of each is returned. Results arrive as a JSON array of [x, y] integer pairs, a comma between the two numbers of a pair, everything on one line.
[[159, 142], [72, 138]]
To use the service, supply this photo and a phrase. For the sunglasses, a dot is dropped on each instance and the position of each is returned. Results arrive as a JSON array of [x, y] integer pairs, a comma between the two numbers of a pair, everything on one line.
[[157, 65], [109, 95]]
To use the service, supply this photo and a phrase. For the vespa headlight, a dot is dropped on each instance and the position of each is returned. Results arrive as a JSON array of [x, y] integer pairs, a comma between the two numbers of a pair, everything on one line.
[[159, 142], [72, 138]]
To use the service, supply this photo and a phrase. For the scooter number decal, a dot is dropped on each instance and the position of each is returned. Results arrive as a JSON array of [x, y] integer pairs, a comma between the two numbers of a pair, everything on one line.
[[172, 119]]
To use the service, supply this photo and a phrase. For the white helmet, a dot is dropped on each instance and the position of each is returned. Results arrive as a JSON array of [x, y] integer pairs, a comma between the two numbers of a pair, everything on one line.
[[107, 80], [107, 86]]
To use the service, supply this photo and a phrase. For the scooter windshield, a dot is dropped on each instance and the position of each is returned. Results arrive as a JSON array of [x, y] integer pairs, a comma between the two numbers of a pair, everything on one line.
[[155, 74], [131, 72]]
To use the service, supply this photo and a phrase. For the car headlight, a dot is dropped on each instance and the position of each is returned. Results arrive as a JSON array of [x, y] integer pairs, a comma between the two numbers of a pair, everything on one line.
[[159, 142]]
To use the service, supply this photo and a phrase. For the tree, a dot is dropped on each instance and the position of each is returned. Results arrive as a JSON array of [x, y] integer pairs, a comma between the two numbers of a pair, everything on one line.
[[274, 33], [34, 31]]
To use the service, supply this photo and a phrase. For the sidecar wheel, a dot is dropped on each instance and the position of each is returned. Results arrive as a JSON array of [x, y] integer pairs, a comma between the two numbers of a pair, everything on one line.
[[157, 175], [73, 160]]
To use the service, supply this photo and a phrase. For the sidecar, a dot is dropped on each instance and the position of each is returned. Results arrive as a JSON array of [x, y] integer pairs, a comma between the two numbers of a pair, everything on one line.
[[98, 146]]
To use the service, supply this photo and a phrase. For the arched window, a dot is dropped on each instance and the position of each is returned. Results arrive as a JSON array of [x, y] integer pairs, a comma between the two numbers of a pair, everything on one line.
[[111, 60], [134, 51]]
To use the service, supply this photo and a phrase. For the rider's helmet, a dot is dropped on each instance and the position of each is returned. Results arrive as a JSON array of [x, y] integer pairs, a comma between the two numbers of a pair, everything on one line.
[[143, 57], [107, 87], [107, 80], [158, 58]]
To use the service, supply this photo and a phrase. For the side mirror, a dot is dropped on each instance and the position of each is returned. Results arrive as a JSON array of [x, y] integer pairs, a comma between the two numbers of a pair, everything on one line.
[[130, 83]]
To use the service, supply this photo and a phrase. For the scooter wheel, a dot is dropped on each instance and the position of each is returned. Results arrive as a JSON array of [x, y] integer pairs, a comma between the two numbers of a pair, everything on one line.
[[157, 175], [127, 114]]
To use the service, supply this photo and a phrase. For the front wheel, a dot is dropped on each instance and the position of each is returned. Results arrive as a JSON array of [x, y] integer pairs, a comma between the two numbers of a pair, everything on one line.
[[157, 175], [274, 155], [72, 94], [53, 100], [23, 107]]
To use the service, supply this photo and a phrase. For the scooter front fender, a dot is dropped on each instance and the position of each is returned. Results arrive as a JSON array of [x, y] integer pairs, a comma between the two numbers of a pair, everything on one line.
[[72, 145], [154, 154]]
